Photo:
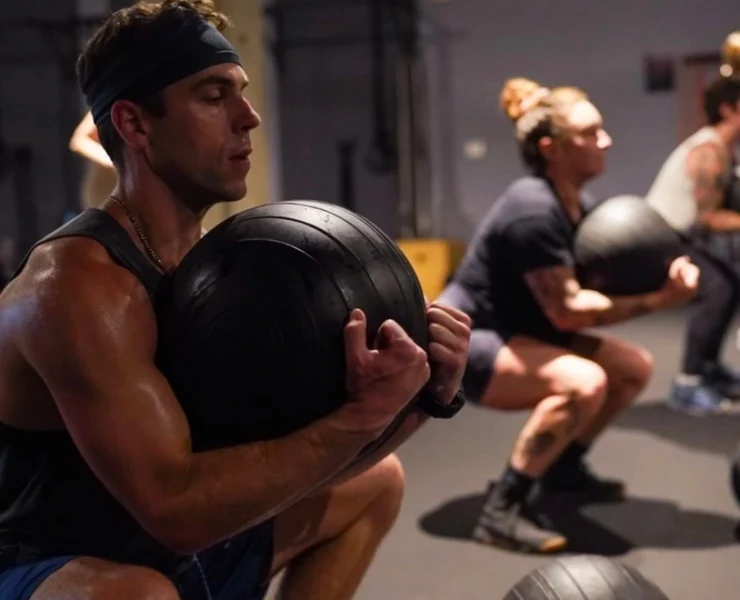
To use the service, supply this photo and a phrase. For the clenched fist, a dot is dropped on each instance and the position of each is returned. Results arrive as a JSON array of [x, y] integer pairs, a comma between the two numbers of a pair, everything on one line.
[[449, 340]]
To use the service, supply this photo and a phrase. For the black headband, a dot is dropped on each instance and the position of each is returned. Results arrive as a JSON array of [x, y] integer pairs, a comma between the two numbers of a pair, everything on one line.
[[179, 51]]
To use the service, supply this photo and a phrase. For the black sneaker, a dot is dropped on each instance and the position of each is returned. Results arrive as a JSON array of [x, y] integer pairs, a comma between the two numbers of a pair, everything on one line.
[[515, 527], [582, 482]]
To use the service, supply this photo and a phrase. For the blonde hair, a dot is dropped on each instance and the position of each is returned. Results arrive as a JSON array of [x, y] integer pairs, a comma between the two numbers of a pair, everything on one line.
[[537, 111], [730, 55]]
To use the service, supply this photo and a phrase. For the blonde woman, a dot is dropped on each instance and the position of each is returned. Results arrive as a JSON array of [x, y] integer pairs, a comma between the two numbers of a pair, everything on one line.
[[529, 349]]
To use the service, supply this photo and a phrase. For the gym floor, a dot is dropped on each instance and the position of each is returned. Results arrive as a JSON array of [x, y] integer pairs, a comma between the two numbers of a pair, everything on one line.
[[678, 525]]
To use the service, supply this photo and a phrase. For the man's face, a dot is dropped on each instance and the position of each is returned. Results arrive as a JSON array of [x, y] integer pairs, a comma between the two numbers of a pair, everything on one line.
[[201, 146]]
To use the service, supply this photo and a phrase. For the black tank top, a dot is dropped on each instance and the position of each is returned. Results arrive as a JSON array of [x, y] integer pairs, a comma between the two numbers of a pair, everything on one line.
[[51, 504]]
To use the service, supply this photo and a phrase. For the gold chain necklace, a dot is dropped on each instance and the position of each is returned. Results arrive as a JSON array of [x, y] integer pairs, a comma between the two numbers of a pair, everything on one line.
[[144, 240]]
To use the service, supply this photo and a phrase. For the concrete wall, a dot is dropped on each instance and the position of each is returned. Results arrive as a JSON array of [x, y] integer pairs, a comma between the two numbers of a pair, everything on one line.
[[38, 110], [594, 45], [325, 97]]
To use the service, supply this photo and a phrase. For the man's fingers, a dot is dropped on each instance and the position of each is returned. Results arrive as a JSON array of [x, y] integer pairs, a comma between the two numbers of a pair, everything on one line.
[[394, 349], [453, 312], [691, 277], [355, 334], [678, 265], [442, 335], [458, 325], [389, 333], [448, 357]]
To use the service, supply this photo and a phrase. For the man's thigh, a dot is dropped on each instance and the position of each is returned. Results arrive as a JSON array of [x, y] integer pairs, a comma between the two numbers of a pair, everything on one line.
[[327, 514]]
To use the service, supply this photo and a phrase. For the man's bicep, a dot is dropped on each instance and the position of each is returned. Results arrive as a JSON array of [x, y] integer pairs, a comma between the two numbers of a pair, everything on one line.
[[115, 404], [553, 287]]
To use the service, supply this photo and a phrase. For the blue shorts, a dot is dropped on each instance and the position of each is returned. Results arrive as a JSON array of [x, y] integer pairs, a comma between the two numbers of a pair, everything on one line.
[[236, 569]]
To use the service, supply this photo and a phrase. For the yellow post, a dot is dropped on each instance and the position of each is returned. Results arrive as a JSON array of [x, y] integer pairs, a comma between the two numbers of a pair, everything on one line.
[[434, 261]]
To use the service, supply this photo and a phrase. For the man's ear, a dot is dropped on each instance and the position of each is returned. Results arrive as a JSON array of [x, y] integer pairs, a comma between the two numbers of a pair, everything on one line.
[[131, 123]]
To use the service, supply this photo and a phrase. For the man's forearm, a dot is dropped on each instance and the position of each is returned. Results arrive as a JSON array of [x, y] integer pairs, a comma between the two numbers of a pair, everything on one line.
[[721, 220], [592, 309], [232, 489]]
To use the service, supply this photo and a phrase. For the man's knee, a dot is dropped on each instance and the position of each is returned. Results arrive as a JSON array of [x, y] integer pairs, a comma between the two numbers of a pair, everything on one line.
[[384, 509], [642, 365]]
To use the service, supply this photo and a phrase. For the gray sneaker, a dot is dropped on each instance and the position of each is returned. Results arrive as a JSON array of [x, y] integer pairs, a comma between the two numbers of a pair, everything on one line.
[[697, 399]]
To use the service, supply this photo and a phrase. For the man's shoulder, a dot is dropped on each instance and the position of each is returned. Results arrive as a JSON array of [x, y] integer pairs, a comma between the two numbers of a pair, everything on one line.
[[72, 269]]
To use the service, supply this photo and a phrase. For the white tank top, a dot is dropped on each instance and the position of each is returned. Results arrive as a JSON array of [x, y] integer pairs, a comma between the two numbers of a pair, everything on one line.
[[672, 192]]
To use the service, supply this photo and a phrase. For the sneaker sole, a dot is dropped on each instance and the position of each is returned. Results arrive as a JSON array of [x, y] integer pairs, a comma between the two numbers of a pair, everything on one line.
[[551, 546], [724, 409], [615, 496]]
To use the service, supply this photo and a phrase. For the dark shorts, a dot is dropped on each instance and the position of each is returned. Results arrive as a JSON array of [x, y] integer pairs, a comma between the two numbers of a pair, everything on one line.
[[486, 343], [237, 569], [722, 248]]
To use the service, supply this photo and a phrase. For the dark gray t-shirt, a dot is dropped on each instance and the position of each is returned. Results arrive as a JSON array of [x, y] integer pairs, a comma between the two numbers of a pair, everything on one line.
[[526, 229]]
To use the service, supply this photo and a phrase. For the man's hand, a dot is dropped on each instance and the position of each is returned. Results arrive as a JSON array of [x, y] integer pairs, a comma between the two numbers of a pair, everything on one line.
[[449, 340], [682, 283], [381, 380]]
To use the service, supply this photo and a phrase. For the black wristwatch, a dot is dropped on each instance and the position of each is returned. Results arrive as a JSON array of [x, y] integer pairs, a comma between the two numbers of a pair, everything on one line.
[[430, 405]]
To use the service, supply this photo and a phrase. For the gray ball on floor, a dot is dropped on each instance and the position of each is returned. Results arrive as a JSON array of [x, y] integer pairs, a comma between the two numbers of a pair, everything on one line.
[[585, 577]]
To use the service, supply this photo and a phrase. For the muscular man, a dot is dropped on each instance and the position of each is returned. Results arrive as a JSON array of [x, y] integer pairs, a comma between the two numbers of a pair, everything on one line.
[[529, 349], [690, 192], [101, 495]]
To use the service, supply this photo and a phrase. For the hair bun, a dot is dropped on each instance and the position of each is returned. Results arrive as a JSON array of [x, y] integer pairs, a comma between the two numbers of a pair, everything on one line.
[[514, 96], [730, 55]]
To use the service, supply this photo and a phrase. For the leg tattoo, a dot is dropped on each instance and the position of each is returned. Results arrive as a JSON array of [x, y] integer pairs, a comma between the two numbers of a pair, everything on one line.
[[540, 443]]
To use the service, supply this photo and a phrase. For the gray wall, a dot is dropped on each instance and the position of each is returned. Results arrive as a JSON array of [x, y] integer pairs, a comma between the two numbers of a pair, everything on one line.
[[39, 108], [594, 45], [325, 97]]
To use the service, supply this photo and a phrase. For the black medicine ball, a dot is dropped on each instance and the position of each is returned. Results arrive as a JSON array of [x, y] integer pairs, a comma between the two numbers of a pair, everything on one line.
[[251, 323], [624, 247]]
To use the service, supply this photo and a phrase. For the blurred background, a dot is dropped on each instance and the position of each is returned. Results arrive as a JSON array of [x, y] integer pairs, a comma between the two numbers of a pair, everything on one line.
[[390, 108]]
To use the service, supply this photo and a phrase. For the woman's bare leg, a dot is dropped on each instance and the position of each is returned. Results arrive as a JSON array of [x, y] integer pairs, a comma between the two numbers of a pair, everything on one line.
[[565, 393]]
